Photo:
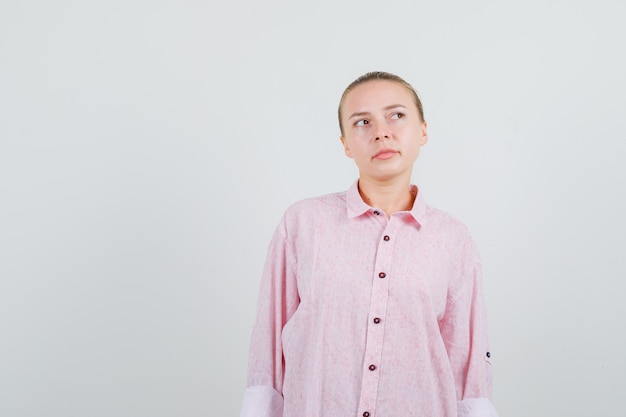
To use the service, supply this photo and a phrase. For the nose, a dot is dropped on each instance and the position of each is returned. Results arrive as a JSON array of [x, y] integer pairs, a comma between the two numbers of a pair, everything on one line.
[[382, 132], [382, 136]]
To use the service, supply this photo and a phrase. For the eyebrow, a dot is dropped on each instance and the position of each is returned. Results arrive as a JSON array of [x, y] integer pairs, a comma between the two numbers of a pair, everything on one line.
[[366, 113]]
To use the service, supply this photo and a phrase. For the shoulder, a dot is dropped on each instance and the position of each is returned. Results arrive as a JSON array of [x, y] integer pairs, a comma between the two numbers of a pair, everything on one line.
[[306, 213], [444, 221], [451, 232], [317, 206]]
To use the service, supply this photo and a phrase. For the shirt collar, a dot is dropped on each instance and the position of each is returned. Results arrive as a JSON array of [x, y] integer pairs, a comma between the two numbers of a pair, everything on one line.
[[357, 207]]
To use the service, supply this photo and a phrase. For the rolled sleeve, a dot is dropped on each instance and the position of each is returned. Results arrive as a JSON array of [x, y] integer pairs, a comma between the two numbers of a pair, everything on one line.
[[262, 401], [278, 300], [476, 407], [464, 332]]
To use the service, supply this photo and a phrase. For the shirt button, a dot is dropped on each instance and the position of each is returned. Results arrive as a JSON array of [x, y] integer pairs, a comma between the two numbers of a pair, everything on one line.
[[382, 275], [386, 238], [376, 320], [488, 354], [376, 212], [372, 367], [366, 414]]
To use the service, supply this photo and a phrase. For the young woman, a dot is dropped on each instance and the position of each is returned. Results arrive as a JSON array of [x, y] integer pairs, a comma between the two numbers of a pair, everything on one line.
[[371, 301]]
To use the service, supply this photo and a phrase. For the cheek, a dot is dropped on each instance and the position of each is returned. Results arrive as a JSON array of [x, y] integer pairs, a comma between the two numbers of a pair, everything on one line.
[[359, 140], [361, 153], [416, 134], [361, 135], [358, 150]]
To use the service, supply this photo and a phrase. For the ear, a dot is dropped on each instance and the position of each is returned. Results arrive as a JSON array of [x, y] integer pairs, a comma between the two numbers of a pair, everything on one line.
[[423, 134], [345, 146]]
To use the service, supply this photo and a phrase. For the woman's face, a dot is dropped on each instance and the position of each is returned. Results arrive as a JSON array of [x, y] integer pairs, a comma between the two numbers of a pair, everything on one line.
[[383, 131]]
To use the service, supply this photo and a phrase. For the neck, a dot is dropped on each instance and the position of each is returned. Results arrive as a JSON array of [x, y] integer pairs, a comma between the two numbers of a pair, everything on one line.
[[390, 197]]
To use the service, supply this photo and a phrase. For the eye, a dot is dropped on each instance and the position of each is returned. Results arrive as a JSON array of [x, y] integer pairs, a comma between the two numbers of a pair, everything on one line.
[[361, 122], [398, 115]]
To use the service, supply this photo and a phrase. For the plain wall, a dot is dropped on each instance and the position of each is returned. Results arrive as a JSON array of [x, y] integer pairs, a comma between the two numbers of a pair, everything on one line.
[[149, 148]]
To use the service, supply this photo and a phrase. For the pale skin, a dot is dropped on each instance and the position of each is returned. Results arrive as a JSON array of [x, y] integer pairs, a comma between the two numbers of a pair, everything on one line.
[[383, 134]]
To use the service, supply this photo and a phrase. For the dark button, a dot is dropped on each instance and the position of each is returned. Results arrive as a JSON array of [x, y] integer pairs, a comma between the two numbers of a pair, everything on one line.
[[376, 212], [372, 367], [382, 275], [366, 414], [386, 238], [488, 354], [376, 320]]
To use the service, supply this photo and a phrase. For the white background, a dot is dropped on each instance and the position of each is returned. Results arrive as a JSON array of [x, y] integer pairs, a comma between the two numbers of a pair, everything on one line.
[[148, 149]]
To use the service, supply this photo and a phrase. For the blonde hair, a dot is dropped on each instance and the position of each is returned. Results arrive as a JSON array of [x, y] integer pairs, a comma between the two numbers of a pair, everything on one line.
[[380, 75]]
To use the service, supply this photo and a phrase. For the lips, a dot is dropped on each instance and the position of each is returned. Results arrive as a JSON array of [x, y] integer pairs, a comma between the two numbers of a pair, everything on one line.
[[385, 154]]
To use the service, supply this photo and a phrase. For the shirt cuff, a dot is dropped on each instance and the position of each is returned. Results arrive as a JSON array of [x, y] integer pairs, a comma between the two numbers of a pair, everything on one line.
[[262, 401], [476, 407]]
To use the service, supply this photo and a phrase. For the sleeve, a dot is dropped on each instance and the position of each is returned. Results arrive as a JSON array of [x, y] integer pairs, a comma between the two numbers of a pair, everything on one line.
[[464, 332], [277, 302]]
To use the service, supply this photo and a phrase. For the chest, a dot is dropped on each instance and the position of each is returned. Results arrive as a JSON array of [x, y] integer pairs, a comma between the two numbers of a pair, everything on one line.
[[349, 265]]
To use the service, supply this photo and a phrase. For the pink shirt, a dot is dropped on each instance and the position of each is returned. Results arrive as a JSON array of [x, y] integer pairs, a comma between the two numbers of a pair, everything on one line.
[[361, 315]]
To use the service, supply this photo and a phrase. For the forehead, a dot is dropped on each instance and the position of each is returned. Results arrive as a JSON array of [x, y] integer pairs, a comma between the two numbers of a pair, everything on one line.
[[377, 94]]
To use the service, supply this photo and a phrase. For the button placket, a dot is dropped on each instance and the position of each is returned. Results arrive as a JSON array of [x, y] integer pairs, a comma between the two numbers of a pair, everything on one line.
[[376, 328]]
